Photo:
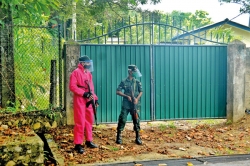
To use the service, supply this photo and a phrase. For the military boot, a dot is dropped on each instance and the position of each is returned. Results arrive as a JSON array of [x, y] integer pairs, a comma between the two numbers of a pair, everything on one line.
[[138, 139], [79, 148], [90, 144], [118, 137]]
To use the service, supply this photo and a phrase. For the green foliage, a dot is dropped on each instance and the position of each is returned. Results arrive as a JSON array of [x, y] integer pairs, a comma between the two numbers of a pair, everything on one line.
[[29, 88], [52, 114], [93, 15], [112, 148], [137, 28], [162, 127], [28, 11], [34, 50], [101, 126], [198, 19], [225, 34], [245, 4], [172, 125], [230, 151], [229, 122], [10, 109]]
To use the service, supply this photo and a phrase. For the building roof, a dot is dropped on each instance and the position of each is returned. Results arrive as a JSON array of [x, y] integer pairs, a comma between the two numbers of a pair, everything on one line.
[[205, 28]]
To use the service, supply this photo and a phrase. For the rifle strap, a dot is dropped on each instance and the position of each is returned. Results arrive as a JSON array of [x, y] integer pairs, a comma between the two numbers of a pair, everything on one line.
[[134, 82], [79, 86]]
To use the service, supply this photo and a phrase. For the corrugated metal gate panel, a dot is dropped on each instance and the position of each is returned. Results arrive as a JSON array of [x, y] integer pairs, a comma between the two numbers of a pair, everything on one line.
[[110, 67], [190, 82]]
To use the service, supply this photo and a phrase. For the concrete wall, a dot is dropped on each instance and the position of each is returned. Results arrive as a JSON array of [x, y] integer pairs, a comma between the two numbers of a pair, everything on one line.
[[247, 79], [72, 50], [236, 70]]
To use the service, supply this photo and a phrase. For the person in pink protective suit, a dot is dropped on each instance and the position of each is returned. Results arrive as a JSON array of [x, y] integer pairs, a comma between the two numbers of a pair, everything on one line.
[[80, 79]]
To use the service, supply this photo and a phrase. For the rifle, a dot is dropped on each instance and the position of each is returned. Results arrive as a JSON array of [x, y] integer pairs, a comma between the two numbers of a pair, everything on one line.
[[135, 115], [92, 102]]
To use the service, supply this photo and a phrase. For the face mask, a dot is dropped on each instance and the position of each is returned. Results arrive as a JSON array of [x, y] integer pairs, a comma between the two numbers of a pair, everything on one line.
[[86, 66], [136, 74]]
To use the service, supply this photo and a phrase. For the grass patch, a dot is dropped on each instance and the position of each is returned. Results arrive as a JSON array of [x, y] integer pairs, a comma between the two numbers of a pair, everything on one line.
[[101, 126], [229, 122], [229, 151], [150, 124], [172, 125], [162, 127], [205, 121], [112, 148]]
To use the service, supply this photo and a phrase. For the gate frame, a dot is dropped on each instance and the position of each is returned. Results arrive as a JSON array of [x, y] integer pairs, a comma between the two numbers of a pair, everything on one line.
[[77, 52]]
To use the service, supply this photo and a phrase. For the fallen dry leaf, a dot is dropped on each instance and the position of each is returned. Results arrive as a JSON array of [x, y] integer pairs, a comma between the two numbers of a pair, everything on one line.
[[189, 164], [222, 139]]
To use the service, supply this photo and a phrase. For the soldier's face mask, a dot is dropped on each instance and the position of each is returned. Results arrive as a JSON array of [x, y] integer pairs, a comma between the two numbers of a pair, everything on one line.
[[136, 73]]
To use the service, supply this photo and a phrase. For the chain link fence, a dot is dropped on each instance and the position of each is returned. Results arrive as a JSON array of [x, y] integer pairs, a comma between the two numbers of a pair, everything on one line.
[[37, 67]]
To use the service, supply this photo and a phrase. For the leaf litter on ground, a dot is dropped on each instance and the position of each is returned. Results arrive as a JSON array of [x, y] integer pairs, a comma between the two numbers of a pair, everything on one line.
[[188, 139]]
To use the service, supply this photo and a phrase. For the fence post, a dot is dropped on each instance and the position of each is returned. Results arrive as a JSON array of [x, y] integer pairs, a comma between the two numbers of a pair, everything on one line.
[[60, 65], [235, 80], [52, 96]]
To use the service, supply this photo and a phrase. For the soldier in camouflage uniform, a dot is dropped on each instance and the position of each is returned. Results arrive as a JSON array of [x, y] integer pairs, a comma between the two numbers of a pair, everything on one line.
[[132, 92]]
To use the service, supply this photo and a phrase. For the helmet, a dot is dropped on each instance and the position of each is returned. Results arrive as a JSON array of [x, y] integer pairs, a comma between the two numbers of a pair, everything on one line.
[[132, 67], [84, 58]]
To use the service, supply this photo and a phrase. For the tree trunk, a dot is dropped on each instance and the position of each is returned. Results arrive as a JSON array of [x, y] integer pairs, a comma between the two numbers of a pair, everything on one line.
[[74, 21], [7, 74]]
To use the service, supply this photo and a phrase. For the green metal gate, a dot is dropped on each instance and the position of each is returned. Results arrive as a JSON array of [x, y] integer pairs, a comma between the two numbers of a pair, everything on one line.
[[110, 68], [190, 82], [179, 81]]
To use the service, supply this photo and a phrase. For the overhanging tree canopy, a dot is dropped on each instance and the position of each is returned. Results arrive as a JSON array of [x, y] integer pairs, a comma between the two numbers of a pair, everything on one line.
[[245, 4]]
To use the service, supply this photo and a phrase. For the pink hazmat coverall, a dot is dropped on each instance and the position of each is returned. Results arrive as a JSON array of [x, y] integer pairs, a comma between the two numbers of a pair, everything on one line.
[[83, 116]]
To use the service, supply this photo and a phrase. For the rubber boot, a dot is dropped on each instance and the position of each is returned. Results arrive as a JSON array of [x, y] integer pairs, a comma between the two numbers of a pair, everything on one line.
[[138, 139], [79, 148], [90, 144], [118, 137]]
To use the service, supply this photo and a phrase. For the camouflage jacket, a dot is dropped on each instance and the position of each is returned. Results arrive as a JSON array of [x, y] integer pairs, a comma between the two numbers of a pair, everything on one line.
[[127, 86]]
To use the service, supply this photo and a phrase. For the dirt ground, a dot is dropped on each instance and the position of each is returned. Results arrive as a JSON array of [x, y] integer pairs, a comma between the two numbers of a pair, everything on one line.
[[161, 140]]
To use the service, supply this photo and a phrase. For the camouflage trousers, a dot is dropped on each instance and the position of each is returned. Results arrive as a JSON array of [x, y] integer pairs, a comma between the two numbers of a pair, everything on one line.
[[123, 119]]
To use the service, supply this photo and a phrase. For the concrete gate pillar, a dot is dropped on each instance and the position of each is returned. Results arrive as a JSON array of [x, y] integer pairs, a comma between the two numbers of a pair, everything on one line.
[[72, 52], [236, 80], [247, 79]]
